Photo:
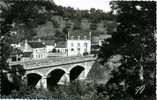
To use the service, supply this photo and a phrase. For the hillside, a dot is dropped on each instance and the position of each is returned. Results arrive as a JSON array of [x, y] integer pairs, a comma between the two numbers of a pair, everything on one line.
[[52, 22], [49, 28]]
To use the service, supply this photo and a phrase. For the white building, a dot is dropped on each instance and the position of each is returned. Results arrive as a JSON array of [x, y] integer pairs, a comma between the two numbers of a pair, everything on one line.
[[78, 43], [35, 49]]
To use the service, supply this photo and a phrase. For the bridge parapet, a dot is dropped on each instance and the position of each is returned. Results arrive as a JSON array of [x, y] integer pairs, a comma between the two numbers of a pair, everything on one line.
[[52, 62]]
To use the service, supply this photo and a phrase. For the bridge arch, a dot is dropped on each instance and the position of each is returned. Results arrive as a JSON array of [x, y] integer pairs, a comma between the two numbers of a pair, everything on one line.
[[75, 71], [34, 71], [54, 76], [75, 65], [33, 79], [49, 71]]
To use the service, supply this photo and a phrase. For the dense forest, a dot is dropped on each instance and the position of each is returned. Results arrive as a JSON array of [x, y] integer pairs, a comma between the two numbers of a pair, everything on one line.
[[33, 20]]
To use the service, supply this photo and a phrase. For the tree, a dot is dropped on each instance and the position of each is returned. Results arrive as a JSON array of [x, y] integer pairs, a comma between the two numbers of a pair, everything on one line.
[[59, 35], [134, 40], [29, 15], [10, 12], [4, 49], [93, 26], [77, 24], [9, 75]]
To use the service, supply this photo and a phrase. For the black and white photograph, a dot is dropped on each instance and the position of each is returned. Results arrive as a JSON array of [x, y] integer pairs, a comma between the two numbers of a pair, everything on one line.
[[78, 49]]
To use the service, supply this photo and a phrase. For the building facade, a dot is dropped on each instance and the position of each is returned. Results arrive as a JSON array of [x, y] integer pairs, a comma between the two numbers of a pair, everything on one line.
[[78, 43]]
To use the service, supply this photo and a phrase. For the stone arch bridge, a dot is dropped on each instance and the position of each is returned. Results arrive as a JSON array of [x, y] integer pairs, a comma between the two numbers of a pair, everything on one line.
[[52, 71]]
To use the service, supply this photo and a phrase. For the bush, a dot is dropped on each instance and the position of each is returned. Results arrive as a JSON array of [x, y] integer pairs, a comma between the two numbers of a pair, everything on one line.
[[77, 90]]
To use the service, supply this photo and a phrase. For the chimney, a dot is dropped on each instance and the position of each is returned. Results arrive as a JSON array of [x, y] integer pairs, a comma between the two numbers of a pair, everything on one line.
[[55, 44], [25, 45], [78, 37], [26, 41]]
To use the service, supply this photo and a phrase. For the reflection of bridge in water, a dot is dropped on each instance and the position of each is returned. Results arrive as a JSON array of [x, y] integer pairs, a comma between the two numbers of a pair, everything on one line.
[[51, 71]]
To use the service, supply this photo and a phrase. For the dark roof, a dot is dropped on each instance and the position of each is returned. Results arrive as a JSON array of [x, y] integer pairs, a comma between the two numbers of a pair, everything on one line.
[[61, 45], [27, 54], [36, 44], [78, 33], [52, 42]]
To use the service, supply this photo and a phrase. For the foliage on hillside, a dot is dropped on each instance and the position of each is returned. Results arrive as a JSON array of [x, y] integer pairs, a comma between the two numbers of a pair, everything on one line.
[[34, 20], [76, 91], [26, 16], [134, 40]]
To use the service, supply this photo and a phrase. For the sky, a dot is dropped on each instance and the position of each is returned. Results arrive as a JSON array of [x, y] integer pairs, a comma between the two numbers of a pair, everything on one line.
[[85, 4]]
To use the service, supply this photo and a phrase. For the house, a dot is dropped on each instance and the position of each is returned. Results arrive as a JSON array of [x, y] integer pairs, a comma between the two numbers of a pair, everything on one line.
[[34, 50], [78, 43], [50, 45], [61, 47], [98, 40]]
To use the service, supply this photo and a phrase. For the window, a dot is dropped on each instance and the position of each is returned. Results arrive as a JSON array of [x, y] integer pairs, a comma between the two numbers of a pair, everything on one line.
[[85, 44], [78, 44], [78, 49], [72, 49], [72, 44], [78, 37], [85, 37], [85, 50]]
